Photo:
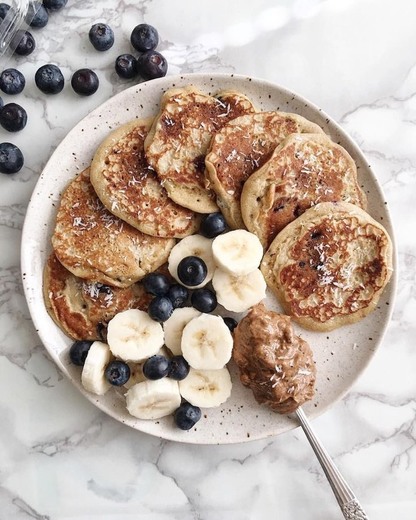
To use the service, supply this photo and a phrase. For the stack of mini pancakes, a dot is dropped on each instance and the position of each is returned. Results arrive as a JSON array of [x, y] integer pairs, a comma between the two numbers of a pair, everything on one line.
[[276, 174]]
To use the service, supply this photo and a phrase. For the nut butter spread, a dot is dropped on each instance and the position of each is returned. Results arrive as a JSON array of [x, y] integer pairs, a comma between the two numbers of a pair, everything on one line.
[[275, 363]]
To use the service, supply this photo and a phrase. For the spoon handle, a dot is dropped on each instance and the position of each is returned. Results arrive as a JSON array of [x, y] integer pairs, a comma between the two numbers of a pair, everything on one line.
[[347, 501]]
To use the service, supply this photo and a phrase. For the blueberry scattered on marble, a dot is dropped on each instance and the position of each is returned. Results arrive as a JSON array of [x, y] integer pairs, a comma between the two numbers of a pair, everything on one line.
[[186, 416], [78, 352], [13, 117], [126, 66], [85, 82], [101, 36], [12, 81], [37, 15], [156, 367], [54, 5], [144, 37], [49, 79], [152, 65], [23, 43], [11, 158], [117, 373]]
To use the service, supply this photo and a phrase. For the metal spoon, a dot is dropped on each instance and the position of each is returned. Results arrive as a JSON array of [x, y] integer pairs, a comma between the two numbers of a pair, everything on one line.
[[350, 507]]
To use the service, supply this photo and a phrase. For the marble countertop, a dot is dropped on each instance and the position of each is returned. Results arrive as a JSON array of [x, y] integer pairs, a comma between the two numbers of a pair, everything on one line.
[[61, 458]]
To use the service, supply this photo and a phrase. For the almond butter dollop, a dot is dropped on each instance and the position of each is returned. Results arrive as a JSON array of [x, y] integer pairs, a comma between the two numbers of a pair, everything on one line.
[[274, 362]]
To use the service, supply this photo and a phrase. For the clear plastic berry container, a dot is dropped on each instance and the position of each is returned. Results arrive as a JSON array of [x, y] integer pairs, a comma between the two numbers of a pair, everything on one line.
[[17, 17]]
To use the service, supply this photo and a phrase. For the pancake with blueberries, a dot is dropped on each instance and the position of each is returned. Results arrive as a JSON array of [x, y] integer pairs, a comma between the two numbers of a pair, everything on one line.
[[130, 189], [179, 138], [96, 245], [82, 308]]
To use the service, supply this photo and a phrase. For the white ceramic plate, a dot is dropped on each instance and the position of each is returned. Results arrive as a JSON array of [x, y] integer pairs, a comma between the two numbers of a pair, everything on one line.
[[340, 355]]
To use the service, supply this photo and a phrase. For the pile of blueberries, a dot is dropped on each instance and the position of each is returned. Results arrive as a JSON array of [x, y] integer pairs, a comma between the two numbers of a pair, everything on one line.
[[49, 79], [168, 297]]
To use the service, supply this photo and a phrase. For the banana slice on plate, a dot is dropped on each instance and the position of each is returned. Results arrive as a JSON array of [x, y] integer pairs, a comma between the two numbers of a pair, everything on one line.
[[174, 326], [92, 376], [237, 252], [133, 336], [207, 342], [194, 245], [239, 293], [206, 388], [153, 399]]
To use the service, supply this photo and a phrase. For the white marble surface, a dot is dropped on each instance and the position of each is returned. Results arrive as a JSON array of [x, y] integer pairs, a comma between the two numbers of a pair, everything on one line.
[[63, 459]]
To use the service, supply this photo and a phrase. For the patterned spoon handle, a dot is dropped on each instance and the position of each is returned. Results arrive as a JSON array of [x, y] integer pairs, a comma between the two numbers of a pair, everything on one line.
[[347, 501]]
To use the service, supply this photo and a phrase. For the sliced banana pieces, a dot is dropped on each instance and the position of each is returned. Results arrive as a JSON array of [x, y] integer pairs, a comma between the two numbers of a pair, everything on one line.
[[174, 326], [206, 388], [239, 293], [207, 342], [133, 336], [92, 376], [194, 245], [237, 252], [153, 399]]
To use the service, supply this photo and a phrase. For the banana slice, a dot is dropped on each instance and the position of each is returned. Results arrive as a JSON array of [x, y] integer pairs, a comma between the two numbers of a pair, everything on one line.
[[174, 326], [194, 245], [133, 336], [92, 376], [206, 388], [207, 342], [237, 252], [239, 293], [153, 399]]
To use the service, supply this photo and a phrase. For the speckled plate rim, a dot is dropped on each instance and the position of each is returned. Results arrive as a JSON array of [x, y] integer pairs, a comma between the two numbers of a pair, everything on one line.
[[241, 419]]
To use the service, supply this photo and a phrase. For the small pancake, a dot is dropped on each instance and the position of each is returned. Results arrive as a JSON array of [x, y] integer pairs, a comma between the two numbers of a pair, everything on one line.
[[94, 244], [329, 267], [241, 147], [81, 308], [179, 138], [130, 189], [304, 170]]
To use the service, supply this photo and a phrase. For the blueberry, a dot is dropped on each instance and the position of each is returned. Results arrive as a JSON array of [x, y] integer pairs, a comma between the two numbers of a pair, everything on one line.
[[160, 308], [117, 373], [4, 8], [12, 81], [156, 367], [85, 82], [23, 43], [13, 117], [179, 368], [212, 225], [78, 352], [101, 36], [204, 300], [126, 66], [151, 65], [231, 323], [156, 283], [144, 37], [11, 158], [37, 16], [186, 416], [49, 79], [54, 5], [192, 270], [178, 294]]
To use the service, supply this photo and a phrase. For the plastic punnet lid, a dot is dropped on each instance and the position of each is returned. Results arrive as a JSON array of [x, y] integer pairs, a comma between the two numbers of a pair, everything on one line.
[[17, 18]]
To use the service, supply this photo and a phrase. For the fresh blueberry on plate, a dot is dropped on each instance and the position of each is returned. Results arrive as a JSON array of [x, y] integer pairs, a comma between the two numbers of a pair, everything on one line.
[[37, 15], [144, 37], [12, 81], [156, 367], [212, 225], [160, 308], [231, 323], [156, 283], [78, 352], [85, 82], [192, 270], [23, 43], [54, 5], [49, 79], [179, 368], [126, 66], [13, 117], [11, 158], [204, 300], [186, 416], [101, 36], [177, 294], [117, 373], [151, 65]]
